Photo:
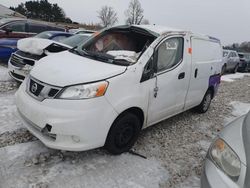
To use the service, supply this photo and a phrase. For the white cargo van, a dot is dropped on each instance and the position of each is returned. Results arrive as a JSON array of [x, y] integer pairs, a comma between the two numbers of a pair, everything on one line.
[[122, 80]]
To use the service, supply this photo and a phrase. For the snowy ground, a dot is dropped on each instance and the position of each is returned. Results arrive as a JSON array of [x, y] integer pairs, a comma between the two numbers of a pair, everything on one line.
[[175, 148]]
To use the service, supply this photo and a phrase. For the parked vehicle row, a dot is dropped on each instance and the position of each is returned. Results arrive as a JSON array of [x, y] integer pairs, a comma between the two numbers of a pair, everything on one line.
[[9, 46], [23, 28], [13, 29], [30, 50]]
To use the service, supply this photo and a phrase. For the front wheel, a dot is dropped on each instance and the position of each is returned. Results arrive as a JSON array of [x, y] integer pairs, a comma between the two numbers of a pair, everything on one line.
[[123, 133], [205, 103]]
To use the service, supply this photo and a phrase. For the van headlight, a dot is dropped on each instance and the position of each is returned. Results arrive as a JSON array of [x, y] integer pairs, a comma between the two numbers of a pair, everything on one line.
[[84, 91], [225, 159]]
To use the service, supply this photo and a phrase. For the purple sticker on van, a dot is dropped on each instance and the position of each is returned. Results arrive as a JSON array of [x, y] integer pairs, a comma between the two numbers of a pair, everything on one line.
[[214, 81]]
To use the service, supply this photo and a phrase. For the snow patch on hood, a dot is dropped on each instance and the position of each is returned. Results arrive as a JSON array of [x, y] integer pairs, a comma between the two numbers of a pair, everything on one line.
[[33, 45]]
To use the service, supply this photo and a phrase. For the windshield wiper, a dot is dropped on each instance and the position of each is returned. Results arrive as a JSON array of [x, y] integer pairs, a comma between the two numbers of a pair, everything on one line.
[[75, 51], [122, 62], [100, 56]]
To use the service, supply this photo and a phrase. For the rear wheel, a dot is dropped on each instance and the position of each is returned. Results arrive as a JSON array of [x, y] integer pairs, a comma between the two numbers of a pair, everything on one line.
[[123, 133], [236, 68], [223, 69], [205, 103]]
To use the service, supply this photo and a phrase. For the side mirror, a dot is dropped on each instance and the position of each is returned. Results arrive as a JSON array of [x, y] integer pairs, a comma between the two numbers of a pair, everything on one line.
[[148, 71]]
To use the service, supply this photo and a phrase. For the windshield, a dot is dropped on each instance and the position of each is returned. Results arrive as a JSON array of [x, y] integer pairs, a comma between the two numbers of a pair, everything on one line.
[[44, 35], [117, 46], [75, 40], [225, 54]]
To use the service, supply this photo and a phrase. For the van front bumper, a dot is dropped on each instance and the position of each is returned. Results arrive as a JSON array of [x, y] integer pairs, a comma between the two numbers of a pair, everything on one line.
[[72, 125]]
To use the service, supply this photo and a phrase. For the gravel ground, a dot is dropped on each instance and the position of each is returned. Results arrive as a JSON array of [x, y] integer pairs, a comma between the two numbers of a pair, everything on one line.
[[179, 143]]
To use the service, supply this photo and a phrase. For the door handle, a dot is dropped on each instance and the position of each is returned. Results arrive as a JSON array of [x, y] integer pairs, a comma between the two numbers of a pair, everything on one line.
[[181, 75], [195, 73]]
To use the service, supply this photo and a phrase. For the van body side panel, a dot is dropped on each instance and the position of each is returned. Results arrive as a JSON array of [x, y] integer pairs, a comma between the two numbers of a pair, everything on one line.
[[206, 62]]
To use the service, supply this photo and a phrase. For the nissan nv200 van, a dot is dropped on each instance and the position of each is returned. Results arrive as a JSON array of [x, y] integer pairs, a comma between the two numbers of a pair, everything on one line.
[[122, 80]]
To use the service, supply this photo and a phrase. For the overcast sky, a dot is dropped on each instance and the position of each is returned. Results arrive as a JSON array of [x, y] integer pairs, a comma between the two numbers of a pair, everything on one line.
[[228, 20]]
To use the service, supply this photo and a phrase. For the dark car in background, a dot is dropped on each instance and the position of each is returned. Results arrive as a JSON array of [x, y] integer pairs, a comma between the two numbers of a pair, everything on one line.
[[8, 46], [22, 28], [13, 29], [244, 62]]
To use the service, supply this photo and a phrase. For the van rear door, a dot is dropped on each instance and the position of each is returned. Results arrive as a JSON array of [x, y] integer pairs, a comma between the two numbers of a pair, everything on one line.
[[206, 61]]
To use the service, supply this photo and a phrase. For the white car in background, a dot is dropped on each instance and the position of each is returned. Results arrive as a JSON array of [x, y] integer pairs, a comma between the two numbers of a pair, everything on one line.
[[231, 61], [120, 81], [30, 50]]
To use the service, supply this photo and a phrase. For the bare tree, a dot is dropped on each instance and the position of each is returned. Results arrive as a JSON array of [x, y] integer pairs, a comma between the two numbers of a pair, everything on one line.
[[134, 13], [108, 16]]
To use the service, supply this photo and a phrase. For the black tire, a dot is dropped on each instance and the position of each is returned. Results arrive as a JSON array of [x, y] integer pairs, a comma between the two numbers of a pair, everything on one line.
[[205, 103], [235, 68], [123, 133], [223, 69]]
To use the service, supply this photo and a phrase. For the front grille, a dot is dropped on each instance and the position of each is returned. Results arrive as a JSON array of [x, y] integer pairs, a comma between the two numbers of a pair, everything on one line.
[[29, 56], [17, 61], [53, 92], [40, 90], [35, 88]]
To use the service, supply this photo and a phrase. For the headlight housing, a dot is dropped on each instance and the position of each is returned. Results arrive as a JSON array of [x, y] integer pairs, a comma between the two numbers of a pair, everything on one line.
[[225, 159], [84, 91]]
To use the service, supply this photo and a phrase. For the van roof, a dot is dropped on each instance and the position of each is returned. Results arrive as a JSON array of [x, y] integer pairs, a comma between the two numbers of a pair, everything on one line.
[[158, 30]]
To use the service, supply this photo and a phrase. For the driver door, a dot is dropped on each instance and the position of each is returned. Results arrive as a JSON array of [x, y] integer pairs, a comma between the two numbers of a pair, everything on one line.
[[167, 96]]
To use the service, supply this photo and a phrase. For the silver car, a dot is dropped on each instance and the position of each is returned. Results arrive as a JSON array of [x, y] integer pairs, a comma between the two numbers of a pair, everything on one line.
[[228, 157], [231, 61]]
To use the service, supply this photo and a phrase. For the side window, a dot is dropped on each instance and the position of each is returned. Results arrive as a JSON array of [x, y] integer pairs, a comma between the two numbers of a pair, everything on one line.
[[169, 53], [16, 27], [50, 28], [37, 28]]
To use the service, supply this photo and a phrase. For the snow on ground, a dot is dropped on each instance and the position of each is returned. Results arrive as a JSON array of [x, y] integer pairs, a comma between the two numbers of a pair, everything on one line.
[[4, 75], [28, 165], [233, 77], [239, 109], [9, 120]]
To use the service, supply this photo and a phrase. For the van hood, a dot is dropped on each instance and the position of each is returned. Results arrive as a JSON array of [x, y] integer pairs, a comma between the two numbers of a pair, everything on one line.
[[65, 68]]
